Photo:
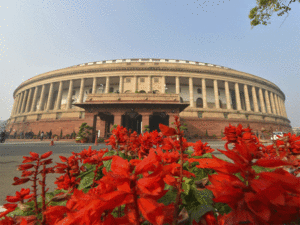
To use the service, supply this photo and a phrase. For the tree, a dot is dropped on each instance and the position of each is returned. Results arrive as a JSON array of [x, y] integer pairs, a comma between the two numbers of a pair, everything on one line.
[[261, 13]]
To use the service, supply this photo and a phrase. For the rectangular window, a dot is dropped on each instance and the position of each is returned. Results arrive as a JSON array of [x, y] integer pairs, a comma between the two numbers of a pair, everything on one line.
[[142, 80], [156, 80], [128, 80]]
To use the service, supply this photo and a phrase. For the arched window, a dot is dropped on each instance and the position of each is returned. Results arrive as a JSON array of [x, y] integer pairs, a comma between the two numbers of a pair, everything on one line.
[[199, 90], [111, 89], [128, 91], [142, 91], [199, 103]]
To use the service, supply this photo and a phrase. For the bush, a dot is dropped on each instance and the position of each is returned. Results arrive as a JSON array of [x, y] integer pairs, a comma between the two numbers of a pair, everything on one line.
[[100, 140]]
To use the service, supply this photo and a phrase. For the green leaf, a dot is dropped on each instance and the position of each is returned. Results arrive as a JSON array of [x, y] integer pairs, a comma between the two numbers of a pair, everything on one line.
[[222, 208], [107, 164], [169, 197], [196, 213], [186, 185], [86, 181], [204, 197], [259, 169]]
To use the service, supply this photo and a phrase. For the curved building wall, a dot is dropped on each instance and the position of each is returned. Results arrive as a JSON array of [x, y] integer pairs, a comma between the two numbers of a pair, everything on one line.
[[217, 95]]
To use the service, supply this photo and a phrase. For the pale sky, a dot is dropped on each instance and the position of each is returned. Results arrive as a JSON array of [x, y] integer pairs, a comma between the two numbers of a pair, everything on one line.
[[38, 36]]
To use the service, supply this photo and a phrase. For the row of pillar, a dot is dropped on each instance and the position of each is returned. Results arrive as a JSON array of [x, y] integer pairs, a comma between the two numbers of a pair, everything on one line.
[[24, 102]]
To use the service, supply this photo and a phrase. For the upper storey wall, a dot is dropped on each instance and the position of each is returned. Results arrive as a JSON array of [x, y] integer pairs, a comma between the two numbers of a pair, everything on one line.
[[162, 67]]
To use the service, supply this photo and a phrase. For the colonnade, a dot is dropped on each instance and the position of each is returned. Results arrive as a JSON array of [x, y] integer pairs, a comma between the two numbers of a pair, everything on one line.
[[269, 102]]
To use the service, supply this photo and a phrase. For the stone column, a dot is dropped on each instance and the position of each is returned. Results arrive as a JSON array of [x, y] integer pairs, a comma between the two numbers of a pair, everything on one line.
[[69, 98], [17, 100], [28, 100], [42, 97], [177, 85], [268, 102], [261, 99], [191, 89], [284, 110], [247, 99], [281, 107], [254, 99], [59, 95], [216, 91], [20, 102], [50, 97], [135, 84], [33, 105], [273, 104], [24, 101], [228, 104], [121, 85], [81, 91], [107, 85], [163, 84], [150, 84], [94, 85], [237, 96], [145, 120], [276, 104], [14, 106], [204, 93]]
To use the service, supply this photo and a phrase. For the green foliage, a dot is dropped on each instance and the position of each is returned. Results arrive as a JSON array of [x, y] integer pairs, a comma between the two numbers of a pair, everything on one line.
[[61, 134], [84, 130], [206, 133], [107, 164], [264, 9]]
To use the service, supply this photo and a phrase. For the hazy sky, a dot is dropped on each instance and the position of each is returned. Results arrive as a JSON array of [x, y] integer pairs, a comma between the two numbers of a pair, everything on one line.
[[38, 36]]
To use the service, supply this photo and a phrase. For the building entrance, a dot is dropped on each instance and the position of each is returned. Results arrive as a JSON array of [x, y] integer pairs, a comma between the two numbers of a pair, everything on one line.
[[109, 121], [132, 121], [156, 118]]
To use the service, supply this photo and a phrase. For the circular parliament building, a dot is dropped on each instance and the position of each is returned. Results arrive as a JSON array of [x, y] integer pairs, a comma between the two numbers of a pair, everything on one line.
[[142, 93]]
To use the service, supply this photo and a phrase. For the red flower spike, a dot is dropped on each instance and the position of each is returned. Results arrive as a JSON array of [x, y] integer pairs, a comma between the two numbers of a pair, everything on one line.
[[10, 207], [25, 166], [28, 159], [46, 155], [271, 163], [63, 159], [34, 155], [20, 181], [46, 162], [167, 131]]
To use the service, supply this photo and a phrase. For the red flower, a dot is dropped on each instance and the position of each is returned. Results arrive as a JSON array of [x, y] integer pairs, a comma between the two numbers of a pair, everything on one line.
[[200, 148], [46, 155], [167, 131], [20, 181], [20, 196]]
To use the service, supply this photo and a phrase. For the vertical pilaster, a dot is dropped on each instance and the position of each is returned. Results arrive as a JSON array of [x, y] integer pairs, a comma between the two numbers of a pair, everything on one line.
[[94, 85], [268, 102], [14, 106], [284, 109], [228, 104], [281, 106], [204, 93], [150, 84], [107, 85], [261, 99], [24, 101], [33, 105], [20, 102], [177, 85], [135, 84], [42, 97], [237, 96], [81, 91], [28, 100], [254, 99], [247, 99], [50, 97], [216, 91], [121, 84], [191, 89], [59, 95], [69, 99], [163, 84], [276, 104], [273, 104]]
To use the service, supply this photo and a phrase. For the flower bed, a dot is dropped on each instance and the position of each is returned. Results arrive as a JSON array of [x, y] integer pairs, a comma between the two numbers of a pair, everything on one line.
[[154, 178]]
